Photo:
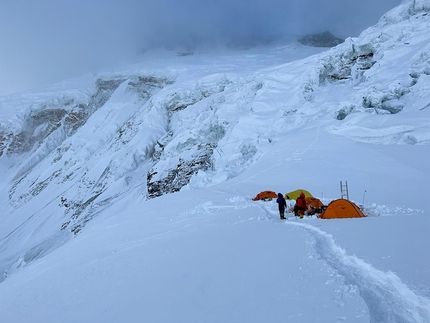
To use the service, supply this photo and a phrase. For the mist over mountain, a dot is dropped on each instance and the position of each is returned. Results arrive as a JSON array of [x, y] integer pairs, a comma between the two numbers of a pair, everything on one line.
[[47, 41], [127, 194]]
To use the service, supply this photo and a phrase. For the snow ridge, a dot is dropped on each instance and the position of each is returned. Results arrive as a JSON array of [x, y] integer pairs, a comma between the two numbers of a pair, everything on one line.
[[387, 297]]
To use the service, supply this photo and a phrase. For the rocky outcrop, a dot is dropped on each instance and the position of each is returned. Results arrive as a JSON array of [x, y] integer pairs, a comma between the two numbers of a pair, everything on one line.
[[325, 39], [45, 127], [145, 86], [346, 66], [180, 175], [67, 113]]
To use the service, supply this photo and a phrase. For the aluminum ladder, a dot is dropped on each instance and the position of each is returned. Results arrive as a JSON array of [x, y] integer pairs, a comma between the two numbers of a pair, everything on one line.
[[344, 190]]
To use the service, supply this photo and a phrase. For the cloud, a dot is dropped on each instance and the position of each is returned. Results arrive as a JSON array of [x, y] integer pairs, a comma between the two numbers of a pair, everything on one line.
[[45, 41]]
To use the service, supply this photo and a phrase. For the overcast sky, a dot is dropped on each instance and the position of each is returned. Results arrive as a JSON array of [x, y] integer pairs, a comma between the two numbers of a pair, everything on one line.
[[45, 41]]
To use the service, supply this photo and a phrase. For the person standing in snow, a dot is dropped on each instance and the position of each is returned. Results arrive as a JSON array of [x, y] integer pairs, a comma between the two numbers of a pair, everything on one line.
[[281, 205], [300, 207]]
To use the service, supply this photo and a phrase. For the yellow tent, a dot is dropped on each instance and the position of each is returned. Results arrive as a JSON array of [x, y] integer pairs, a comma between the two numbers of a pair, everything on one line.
[[295, 194]]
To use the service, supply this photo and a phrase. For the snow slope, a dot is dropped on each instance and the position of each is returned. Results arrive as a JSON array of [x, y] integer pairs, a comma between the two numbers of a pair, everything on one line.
[[127, 195]]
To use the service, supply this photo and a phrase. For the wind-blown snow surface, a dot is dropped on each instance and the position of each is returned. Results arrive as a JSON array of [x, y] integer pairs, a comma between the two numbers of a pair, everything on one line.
[[83, 239]]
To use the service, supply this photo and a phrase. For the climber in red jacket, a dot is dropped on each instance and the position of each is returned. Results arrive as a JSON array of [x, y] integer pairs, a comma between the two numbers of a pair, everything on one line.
[[300, 207]]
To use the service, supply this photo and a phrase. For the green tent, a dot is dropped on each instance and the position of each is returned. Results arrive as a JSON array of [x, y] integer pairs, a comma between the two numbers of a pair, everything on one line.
[[295, 194]]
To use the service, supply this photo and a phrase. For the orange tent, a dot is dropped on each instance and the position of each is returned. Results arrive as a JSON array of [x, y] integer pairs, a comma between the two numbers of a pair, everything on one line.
[[313, 202], [265, 196], [341, 209]]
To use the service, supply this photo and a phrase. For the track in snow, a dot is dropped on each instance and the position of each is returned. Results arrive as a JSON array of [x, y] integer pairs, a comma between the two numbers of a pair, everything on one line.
[[386, 296], [388, 299]]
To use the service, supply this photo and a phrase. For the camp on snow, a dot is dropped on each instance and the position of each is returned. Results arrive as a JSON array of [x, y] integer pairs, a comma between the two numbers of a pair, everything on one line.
[[314, 205], [295, 194], [336, 209], [341, 208], [265, 196]]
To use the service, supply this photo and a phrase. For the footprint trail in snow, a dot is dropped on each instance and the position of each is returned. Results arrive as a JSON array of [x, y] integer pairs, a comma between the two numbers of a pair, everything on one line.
[[388, 299], [386, 296]]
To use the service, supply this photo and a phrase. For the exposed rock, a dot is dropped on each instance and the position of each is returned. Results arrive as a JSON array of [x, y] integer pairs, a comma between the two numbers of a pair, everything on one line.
[[385, 104], [3, 142], [145, 85], [44, 119], [351, 65], [180, 176], [357, 63], [186, 53], [344, 112], [325, 39]]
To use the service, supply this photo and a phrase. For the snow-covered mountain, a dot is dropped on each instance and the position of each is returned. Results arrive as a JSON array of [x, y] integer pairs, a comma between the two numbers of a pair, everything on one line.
[[226, 124]]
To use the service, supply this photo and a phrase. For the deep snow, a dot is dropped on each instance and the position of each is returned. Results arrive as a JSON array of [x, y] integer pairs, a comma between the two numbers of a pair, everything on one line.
[[276, 118]]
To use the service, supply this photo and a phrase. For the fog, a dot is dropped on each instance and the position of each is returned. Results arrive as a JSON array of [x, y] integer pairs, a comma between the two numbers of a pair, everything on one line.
[[45, 41]]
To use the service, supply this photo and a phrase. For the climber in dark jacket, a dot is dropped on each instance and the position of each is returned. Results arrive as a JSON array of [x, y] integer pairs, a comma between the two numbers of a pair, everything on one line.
[[281, 205]]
